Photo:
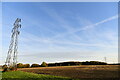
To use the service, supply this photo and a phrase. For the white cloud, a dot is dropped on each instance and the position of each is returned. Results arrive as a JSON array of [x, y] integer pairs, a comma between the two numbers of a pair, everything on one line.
[[35, 39], [87, 27], [31, 41]]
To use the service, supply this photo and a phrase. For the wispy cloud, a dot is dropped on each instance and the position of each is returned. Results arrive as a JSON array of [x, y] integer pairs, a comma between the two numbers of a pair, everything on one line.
[[70, 30], [61, 36], [35, 39], [88, 27], [62, 22]]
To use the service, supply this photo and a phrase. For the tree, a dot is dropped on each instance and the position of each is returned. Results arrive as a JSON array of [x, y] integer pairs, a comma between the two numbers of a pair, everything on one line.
[[26, 65], [44, 64], [20, 65], [35, 65], [5, 68]]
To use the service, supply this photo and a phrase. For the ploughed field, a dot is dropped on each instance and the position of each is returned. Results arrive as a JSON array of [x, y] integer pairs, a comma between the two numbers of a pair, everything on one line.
[[78, 72]]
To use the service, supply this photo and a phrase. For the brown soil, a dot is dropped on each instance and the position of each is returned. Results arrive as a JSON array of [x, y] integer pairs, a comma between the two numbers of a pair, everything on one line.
[[82, 71]]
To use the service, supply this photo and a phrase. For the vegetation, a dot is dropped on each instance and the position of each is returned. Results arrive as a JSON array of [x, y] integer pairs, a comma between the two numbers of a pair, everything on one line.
[[77, 63], [20, 65], [93, 63], [44, 64], [26, 65], [4, 67], [78, 72], [35, 65], [30, 76]]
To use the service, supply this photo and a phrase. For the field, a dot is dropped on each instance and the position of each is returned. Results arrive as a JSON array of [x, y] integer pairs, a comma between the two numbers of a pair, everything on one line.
[[78, 72], [20, 75], [82, 72]]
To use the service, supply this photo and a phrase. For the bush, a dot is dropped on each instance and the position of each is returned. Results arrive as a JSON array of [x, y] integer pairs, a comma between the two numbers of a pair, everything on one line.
[[35, 65], [12, 68], [20, 65], [26, 65], [5, 68], [44, 64]]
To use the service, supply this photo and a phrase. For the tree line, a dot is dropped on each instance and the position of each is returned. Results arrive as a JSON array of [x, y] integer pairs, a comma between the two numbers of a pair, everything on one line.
[[44, 64], [20, 65], [77, 63]]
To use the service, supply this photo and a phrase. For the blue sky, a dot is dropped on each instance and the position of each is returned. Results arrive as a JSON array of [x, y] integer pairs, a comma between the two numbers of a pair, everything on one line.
[[60, 0], [1, 33], [54, 32]]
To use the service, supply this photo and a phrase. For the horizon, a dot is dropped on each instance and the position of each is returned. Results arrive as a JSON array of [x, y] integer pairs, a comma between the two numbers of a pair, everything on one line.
[[54, 32], [68, 61]]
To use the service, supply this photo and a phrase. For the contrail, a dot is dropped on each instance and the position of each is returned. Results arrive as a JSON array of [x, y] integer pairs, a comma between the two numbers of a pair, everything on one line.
[[88, 27]]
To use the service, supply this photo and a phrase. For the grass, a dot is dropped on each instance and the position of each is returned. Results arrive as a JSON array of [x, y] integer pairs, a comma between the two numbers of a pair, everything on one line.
[[83, 72], [20, 75], [78, 72], [0, 75]]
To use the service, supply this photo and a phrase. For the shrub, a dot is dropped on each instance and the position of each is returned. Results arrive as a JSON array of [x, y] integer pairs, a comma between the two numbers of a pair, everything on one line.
[[44, 64], [5, 68], [20, 65], [26, 65], [35, 65], [12, 68]]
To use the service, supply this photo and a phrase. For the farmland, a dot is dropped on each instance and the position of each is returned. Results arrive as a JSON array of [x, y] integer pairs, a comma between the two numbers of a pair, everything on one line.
[[20, 75], [77, 72]]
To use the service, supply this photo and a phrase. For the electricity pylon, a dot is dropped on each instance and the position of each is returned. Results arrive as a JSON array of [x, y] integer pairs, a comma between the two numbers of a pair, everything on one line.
[[11, 60], [105, 59]]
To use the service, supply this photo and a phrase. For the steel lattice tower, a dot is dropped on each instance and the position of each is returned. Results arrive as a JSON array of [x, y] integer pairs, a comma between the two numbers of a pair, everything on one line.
[[11, 60]]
